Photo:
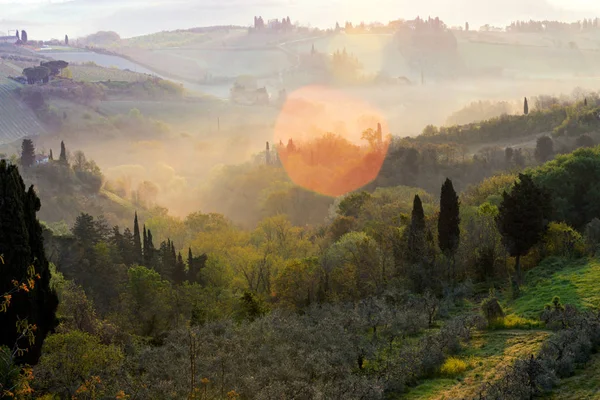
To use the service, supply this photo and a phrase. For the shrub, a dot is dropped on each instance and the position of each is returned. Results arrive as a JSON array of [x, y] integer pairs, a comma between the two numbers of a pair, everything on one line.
[[492, 310], [562, 240], [453, 367]]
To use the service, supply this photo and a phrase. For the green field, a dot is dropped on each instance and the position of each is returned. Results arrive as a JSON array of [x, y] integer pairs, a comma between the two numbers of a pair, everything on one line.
[[575, 282], [94, 73], [17, 120]]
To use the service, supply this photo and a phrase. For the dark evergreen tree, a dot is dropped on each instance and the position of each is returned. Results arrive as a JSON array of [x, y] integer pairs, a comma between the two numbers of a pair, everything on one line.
[[149, 251], [86, 232], [22, 247], [145, 251], [544, 149], [525, 107], [195, 265], [268, 155], [127, 250], [179, 273], [449, 221], [66, 40], [137, 242], [50, 156], [63, 153], [523, 218], [27, 153], [416, 232], [18, 36], [585, 102], [23, 36]]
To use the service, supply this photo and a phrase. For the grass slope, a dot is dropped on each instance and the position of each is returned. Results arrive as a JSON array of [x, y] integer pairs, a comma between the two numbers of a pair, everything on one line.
[[575, 282], [17, 120], [585, 384]]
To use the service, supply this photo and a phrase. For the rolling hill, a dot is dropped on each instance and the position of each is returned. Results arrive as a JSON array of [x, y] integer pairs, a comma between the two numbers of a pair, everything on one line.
[[17, 120]]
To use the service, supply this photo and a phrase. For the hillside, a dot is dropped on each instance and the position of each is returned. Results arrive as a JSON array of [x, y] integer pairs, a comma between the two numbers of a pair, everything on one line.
[[17, 120]]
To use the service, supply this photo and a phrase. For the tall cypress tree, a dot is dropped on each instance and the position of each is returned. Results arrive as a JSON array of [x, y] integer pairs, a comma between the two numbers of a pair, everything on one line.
[[150, 251], [22, 247], [51, 157], [63, 153], [137, 242], [27, 153], [448, 221], [416, 232], [525, 107], [145, 251]]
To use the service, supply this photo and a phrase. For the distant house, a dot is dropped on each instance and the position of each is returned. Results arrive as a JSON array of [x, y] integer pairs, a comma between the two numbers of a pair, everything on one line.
[[8, 39], [41, 159]]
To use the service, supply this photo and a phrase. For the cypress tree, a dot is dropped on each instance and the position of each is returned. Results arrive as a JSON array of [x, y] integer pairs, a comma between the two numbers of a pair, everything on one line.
[[27, 153], [268, 155], [585, 102], [522, 218], [51, 157], [448, 221], [22, 247], [149, 253], [525, 107], [416, 232], [137, 242], [145, 251], [63, 153], [127, 249], [178, 275]]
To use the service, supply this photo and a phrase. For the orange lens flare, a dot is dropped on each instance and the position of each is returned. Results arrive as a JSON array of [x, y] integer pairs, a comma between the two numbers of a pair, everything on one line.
[[330, 142]]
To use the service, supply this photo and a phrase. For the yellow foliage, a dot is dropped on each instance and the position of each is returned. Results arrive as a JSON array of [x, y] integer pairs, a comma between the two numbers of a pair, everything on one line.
[[453, 366]]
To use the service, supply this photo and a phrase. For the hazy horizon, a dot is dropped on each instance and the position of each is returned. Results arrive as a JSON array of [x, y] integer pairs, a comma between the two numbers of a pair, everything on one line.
[[53, 19]]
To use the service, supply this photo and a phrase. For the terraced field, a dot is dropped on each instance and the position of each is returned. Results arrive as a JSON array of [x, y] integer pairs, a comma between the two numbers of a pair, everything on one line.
[[92, 73], [17, 120]]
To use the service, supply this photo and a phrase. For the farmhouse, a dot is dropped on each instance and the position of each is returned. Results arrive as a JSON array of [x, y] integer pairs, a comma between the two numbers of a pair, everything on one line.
[[8, 39]]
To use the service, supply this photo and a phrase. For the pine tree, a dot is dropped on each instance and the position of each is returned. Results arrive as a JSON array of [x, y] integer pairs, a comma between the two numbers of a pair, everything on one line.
[[523, 218], [27, 153], [525, 107], [63, 153], [449, 221], [22, 247], [416, 232], [51, 157], [137, 242]]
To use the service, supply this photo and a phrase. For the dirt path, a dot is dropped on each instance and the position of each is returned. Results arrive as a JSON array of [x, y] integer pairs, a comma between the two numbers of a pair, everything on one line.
[[487, 356]]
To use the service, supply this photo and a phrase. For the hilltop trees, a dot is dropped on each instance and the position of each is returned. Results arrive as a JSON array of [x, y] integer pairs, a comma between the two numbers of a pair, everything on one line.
[[27, 153], [448, 221], [37, 74], [32, 302], [522, 219]]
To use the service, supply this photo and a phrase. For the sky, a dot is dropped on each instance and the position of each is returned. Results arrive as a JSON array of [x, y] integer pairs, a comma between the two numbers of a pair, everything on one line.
[[45, 19]]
